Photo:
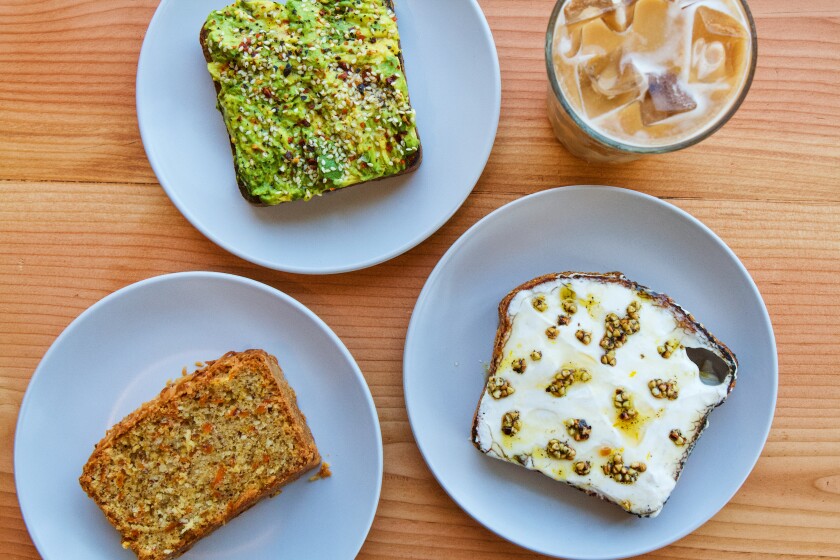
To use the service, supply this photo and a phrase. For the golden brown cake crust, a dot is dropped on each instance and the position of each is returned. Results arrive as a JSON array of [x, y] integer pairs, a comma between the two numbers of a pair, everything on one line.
[[255, 360]]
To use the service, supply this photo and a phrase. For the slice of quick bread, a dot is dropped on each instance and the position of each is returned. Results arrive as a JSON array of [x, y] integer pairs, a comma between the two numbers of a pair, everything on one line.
[[598, 382], [210, 446], [313, 95]]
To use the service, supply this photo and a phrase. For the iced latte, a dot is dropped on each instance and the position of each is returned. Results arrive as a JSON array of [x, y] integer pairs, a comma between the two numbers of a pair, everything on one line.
[[630, 77]]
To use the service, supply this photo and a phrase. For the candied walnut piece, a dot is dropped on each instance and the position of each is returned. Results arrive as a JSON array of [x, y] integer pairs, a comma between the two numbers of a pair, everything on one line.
[[662, 389], [569, 306], [677, 437], [623, 401], [578, 428], [560, 450], [539, 303], [608, 359], [564, 378], [536, 355], [558, 387], [624, 474], [499, 388], [552, 332], [563, 320], [511, 424], [584, 336], [519, 365], [668, 348], [582, 467]]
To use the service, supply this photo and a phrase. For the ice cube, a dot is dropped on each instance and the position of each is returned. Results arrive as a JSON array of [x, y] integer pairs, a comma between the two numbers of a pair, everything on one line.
[[708, 61], [630, 118], [610, 75], [595, 103], [651, 23], [598, 39], [665, 98], [581, 10], [712, 28], [715, 24], [569, 43], [622, 17]]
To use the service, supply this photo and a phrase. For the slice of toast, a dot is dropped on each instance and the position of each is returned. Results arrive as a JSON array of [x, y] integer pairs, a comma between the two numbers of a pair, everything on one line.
[[313, 95], [601, 383], [210, 446]]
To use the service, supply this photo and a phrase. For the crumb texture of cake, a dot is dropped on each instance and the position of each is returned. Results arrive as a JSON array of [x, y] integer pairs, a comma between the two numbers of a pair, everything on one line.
[[211, 445], [601, 383], [313, 94]]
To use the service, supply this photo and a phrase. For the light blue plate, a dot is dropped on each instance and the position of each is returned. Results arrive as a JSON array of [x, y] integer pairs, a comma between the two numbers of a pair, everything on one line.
[[592, 229], [455, 86], [120, 353]]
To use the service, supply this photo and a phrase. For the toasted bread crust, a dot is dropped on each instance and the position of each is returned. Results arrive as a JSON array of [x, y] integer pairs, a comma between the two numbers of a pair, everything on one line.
[[684, 319], [412, 163], [182, 389]]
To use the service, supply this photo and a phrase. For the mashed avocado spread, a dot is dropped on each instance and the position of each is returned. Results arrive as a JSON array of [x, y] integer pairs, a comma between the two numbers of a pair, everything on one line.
[[313, 94]]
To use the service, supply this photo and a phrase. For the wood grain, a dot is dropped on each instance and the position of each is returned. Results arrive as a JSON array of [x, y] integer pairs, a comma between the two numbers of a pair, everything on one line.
[[81, 215]]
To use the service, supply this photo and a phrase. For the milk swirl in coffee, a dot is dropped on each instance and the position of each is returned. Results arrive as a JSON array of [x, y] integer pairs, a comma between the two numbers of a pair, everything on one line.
[[652, 72]]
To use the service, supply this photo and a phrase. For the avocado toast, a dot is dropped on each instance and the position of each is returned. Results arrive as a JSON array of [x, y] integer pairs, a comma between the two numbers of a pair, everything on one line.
[[313, 95]]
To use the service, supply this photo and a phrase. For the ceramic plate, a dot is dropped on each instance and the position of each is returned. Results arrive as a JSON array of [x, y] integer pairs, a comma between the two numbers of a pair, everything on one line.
[[598, 229], [455, 87], [120, 353]]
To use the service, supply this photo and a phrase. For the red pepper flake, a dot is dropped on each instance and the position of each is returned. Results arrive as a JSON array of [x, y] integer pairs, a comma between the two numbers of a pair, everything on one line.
[[207, 428], [261, 409]]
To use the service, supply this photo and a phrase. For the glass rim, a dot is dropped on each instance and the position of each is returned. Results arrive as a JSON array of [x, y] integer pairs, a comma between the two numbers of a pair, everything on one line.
[[632, 148]]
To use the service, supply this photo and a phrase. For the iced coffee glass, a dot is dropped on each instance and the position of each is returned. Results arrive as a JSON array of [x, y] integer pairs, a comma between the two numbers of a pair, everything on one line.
[[635, 77]]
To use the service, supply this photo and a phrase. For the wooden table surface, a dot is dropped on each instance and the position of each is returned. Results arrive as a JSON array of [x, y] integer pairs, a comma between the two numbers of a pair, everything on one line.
[[82, 215]]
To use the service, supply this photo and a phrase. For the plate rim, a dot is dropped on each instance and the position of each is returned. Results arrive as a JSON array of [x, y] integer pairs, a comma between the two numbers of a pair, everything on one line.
[[26, 403], [163, 180], [475, 230]]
